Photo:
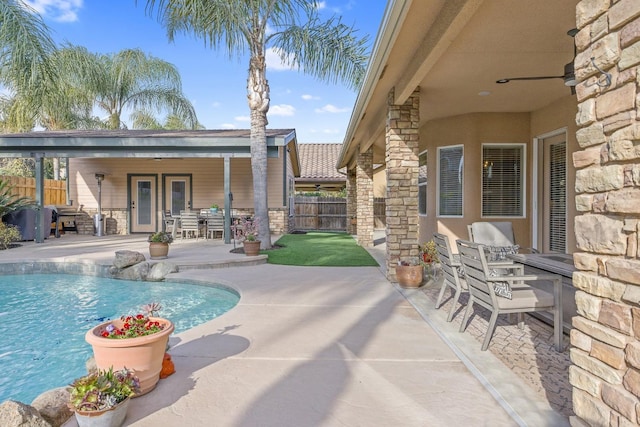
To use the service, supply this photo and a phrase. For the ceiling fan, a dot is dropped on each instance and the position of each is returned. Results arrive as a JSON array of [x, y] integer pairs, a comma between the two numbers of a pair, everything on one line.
[[569, 75]]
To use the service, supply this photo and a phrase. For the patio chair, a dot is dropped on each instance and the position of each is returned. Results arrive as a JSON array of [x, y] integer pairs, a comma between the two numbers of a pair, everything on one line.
[[498, 236], [451, 266], [215, 225], [190, 225], [483, 281], [169, 222]]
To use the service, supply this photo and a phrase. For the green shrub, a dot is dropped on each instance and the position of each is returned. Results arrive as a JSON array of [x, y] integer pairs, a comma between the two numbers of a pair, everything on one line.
[[8, 234]]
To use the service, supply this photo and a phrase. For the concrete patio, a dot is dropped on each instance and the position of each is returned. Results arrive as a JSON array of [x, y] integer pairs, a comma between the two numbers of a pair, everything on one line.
[[311, 346]]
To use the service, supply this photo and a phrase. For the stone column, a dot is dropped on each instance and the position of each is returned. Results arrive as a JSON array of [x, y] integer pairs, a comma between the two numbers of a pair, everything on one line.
[[402, 140], [352, 201], [605, 339], [364, 189]]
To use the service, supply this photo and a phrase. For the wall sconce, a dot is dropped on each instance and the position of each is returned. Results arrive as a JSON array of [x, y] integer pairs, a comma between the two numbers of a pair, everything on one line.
[[607, 76]]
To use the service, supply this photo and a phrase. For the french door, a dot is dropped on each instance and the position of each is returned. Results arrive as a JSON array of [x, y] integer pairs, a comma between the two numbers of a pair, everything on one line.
[[177, 193], [143, 203]]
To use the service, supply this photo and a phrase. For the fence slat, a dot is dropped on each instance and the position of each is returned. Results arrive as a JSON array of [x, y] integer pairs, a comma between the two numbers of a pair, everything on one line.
[[55, 191]]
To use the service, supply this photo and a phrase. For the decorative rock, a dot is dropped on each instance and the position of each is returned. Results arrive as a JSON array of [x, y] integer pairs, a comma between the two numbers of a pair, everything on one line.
[[128, 258], [17, 414], [52, 406], [135, 272], [160, 270]]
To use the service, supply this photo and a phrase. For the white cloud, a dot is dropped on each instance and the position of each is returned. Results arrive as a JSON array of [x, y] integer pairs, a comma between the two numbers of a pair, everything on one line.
[[274, 62], [242, 118], [216, 104], [308, 97], [282, 110], [330, 131], [331, 109], [57, 10], [227, 126], [321, 5]]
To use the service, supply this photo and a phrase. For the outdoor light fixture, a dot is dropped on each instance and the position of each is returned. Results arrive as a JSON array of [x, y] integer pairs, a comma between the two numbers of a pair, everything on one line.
[[569, 75], [98, 217]]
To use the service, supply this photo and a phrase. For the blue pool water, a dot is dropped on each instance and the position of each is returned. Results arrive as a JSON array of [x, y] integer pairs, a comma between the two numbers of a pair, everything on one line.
[[44, 317]]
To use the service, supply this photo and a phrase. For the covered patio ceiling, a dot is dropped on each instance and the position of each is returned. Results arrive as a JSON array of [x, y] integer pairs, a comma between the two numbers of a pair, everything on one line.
[[455, 51]]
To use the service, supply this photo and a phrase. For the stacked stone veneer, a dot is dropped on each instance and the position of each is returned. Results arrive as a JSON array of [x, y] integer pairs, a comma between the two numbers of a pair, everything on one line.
[[364, 197], [605, 341], [352, 202], [401, 210]]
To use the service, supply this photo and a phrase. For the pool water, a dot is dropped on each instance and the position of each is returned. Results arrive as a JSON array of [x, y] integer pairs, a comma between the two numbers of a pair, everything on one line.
[[44, 317]]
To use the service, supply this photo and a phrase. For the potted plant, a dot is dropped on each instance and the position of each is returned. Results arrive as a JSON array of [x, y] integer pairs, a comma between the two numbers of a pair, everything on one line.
[[135, 342], [102, 397], [429, 257], [246, 230], [159, 244], [409, 273], [214, 208]]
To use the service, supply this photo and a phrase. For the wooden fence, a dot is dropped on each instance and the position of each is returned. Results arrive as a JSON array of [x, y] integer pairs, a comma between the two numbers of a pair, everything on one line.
[[55, 192], [320, 213], [330, 213]]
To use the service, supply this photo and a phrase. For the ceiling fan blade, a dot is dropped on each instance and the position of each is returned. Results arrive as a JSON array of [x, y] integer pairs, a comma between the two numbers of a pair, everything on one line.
[[502, 81]]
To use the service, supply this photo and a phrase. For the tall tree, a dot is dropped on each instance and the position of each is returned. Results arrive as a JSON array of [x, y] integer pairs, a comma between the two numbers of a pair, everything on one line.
[[328, 50], [25, 49], [129, 80]]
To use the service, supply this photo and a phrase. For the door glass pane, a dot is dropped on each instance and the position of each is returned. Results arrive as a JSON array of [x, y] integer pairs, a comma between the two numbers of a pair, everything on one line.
[[558, 198], [144, 203], [178, 197]]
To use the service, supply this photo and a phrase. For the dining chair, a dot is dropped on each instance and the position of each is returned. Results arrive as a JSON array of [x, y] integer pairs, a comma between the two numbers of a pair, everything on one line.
[[451, 268], [507, 293], [190, 225], [215, 224]]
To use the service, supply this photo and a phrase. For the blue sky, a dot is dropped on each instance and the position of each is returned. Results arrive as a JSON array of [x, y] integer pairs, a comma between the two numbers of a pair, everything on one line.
[[213, 82]]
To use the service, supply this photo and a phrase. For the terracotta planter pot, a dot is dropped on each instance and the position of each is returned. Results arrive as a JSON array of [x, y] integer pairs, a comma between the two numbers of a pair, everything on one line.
[[251, 248], [143, 355], [409, 276], [158, 250], [113, 417]]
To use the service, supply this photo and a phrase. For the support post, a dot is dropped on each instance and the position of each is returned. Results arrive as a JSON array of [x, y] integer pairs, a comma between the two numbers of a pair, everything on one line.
[[39, 231]]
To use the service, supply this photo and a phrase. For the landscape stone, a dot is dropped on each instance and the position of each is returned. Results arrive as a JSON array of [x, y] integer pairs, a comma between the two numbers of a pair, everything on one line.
[[52, 406], [126, 259], [18, 414]]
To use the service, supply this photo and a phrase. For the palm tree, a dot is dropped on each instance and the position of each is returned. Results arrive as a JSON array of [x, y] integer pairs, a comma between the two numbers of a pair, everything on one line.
[[25, 48], [327, 50], [128, 80]]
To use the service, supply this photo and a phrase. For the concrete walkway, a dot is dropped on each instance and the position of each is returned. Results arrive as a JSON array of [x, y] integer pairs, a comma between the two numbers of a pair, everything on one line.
[[307, 346]]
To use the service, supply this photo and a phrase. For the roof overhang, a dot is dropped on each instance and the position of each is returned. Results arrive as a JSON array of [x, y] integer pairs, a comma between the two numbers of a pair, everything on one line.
[[454, 51], [143, 144]]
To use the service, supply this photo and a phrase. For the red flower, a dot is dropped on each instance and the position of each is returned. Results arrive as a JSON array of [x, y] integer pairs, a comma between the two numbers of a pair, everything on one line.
[[105, 334], [139, 316]]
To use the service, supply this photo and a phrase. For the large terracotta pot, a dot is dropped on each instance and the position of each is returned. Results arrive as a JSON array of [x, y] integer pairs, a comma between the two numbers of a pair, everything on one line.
[[252, 248], [113, 417], [409, 276], [158, 250], [143, 355]]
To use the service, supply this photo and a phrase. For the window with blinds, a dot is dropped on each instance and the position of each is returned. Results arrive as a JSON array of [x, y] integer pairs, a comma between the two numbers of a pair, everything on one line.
[[422, 183], [450, 179], [558, 197], [502, 180]]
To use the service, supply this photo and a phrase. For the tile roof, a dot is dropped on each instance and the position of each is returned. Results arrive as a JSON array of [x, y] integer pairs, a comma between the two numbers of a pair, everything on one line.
[[318, 162]]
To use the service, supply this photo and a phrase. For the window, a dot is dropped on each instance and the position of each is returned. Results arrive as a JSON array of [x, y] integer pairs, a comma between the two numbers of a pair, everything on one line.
[[450, 179], [502, 180], [422, 183]]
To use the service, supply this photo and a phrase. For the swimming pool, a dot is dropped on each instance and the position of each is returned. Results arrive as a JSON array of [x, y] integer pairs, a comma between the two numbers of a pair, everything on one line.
[[44, 317]]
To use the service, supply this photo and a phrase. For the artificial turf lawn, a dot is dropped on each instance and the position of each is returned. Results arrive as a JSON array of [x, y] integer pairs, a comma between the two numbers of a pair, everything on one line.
[[320, 250]]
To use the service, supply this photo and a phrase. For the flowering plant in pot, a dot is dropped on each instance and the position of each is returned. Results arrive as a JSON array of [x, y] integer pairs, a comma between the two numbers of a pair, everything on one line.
[[429, 257], [105, 394], [159, 244], [137, 342], [247, 230]]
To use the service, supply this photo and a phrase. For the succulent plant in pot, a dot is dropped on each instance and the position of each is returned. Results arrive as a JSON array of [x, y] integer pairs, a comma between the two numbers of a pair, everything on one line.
[[159, 244], [102, 394]]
